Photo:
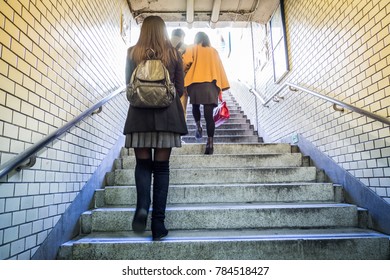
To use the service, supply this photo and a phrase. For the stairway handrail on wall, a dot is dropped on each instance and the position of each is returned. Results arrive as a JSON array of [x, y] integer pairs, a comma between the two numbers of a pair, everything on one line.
[[295, 87], [19, 162]]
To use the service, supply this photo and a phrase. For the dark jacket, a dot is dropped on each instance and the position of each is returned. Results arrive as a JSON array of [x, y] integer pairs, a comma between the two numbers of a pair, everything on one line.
[[170, 119]]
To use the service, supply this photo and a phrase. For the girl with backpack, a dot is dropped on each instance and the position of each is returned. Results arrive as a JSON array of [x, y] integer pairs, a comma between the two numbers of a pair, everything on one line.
[[154, 132]]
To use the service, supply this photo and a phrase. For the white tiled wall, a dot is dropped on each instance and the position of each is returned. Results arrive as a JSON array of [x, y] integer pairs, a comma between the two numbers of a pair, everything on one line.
[[340, 49], [57, 58]]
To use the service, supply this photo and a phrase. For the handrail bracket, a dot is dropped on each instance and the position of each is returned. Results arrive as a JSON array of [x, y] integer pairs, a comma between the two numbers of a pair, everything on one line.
[[337, 108], [277, 98], [31, 162], [98, 110]]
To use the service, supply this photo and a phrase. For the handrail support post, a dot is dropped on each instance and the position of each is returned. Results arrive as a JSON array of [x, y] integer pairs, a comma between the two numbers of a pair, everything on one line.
[[277, 98], [31, 162], [98, 110], [337, 108]]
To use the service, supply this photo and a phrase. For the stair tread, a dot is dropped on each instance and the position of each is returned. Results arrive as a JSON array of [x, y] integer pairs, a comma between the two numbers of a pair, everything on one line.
[[235, 205], [225, 129], [235, 168], [292, 184], [256, 154], [230, 147], [230, 235], [222, 135]]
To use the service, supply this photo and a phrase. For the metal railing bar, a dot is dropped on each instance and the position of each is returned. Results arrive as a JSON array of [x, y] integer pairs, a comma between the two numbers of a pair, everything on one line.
[[30, 152], [342, 104], [319, 95], [251, 90]]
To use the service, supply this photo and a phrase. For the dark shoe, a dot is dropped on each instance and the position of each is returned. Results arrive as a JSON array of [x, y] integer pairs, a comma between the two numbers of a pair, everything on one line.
[[199, 131], [209, 151], [209, 146], [139, 220], [158, 230]]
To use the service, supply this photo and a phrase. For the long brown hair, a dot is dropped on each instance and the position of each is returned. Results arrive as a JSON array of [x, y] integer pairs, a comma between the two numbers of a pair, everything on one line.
[[154, 35]]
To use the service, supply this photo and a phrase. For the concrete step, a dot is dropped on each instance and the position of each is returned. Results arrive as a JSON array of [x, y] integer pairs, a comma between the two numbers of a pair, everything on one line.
[[124, 177], [232, 160], [226, 132], [232, 119], [233, 115], [229, 193], [248, 244], [233, 110], [223, 139], [230, 102], [230, 216], [227, 148], [227, 125]]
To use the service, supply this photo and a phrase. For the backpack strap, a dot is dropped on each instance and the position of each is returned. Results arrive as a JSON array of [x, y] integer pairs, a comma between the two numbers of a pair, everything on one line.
[[178, 46], [150, 53]]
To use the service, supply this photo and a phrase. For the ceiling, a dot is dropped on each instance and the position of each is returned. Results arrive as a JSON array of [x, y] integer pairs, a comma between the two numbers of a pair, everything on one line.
[[201, 13]]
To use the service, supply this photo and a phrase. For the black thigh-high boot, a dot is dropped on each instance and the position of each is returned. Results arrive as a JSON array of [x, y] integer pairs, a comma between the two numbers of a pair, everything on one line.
[[160, 194], [143, 181]]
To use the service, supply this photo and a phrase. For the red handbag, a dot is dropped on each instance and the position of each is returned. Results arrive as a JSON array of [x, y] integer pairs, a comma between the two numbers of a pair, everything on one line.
[[221, 114]]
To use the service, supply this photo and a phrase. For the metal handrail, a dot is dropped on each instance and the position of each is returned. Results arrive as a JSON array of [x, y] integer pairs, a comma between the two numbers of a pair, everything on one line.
[[295, 87], [251, 90], [30, 153]]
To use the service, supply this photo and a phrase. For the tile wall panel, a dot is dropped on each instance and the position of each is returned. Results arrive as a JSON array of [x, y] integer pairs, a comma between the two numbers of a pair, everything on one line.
[[57, 58], [340, 49]]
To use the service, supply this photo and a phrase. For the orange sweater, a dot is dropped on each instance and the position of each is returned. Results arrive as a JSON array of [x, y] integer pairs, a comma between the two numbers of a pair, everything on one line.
[[204, 65]]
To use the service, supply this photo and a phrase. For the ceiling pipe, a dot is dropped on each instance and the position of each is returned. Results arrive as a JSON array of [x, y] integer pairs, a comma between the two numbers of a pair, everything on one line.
[[215, 13], [190, 13]]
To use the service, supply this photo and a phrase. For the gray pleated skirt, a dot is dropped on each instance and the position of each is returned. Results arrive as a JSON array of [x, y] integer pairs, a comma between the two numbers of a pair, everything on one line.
[[153, 140]]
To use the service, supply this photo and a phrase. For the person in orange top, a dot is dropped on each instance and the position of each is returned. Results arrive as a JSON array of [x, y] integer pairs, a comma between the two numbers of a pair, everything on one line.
[[205, 79]]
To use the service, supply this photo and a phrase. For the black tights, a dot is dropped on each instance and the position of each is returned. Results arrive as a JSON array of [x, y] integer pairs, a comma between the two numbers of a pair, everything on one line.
[[208, 115], [160, 154]]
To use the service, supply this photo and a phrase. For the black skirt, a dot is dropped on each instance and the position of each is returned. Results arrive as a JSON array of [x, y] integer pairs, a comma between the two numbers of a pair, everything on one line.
[[203, 93]]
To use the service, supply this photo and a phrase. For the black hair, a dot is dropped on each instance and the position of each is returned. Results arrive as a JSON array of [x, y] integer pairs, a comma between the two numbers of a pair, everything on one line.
[[202, 38], [178, 32]]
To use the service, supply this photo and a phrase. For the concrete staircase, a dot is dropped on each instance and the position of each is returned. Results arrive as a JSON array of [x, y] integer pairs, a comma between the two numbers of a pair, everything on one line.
[[249, 200]]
